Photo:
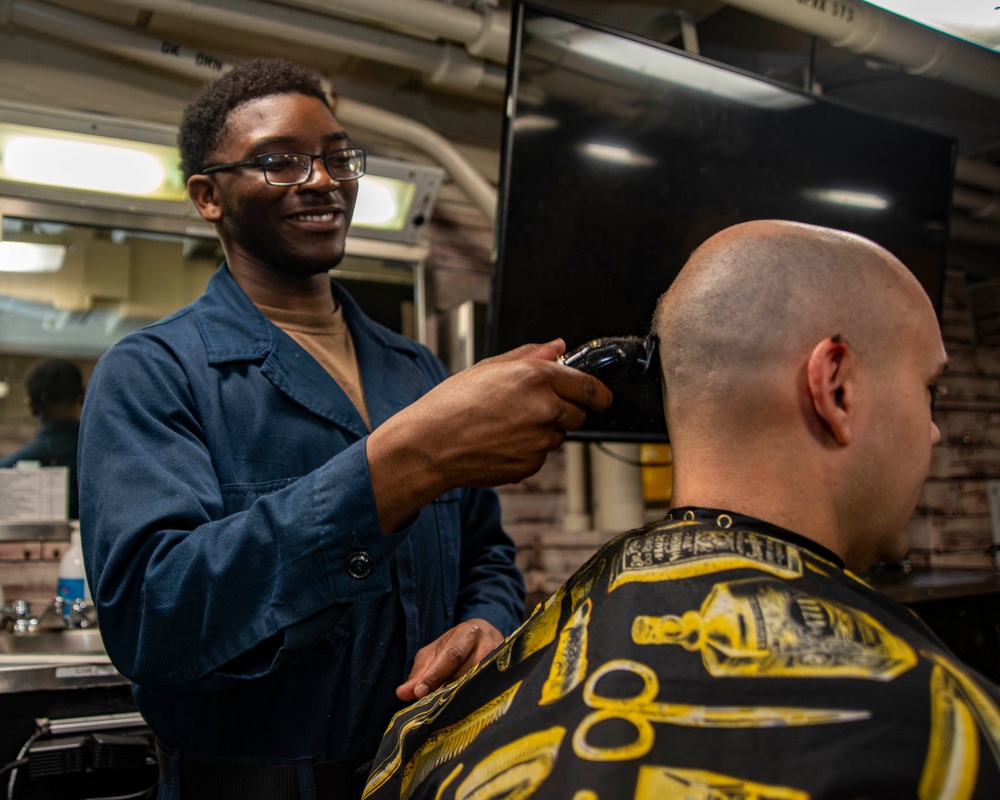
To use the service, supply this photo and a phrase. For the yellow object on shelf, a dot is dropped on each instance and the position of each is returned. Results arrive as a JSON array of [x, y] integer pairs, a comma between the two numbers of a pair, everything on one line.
[[657, 481]]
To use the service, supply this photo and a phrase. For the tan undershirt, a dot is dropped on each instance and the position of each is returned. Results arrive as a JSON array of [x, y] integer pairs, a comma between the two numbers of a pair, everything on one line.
[[326, 338]]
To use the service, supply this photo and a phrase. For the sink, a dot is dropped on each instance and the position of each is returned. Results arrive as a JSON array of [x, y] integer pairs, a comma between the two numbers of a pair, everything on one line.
[[80, 641], [58, 659]]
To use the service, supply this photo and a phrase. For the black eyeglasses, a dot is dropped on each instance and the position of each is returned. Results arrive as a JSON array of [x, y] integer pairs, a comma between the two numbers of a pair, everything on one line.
[[291, 169]]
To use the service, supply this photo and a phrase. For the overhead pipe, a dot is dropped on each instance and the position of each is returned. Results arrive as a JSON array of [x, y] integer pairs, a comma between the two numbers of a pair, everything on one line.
[[62, 23], [193, 63], [353, 114], [442, 63], [867, 29], [484, 30]]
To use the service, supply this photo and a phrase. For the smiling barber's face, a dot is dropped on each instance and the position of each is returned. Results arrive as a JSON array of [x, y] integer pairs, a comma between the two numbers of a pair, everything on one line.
[[295, 230]]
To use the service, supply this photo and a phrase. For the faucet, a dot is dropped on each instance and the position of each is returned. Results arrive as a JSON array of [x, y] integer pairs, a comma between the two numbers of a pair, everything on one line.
[[17, 618], [81, 615]]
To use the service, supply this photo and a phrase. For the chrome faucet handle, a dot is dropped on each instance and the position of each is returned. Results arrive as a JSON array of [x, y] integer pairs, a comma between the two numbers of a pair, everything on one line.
[[82, 615], [21, 619], [53, 618]]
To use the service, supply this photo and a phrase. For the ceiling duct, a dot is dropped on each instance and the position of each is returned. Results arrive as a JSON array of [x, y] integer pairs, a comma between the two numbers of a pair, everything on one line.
[[864, 28], [484, 30], [192, 63], [440, 62]]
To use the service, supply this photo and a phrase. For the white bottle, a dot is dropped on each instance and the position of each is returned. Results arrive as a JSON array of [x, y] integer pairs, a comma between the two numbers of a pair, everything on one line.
[[72, 578]]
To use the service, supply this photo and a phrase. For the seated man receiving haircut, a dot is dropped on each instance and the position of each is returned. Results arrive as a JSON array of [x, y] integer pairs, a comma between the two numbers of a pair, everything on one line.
[[731, 651]]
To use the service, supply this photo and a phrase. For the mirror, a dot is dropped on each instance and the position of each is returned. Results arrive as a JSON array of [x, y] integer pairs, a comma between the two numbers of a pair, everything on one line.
[[111, 281]]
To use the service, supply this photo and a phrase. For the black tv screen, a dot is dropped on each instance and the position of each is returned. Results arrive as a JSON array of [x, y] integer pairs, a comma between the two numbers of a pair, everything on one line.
[[620, 156]]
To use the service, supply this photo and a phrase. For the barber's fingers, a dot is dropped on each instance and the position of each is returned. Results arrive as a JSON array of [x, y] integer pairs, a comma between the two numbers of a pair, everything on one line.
[[569, 384], [548, 351], [580, 389], [449, 657]]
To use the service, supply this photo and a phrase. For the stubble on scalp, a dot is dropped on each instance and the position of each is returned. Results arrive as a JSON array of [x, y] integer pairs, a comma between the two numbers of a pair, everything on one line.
[[755, 299]]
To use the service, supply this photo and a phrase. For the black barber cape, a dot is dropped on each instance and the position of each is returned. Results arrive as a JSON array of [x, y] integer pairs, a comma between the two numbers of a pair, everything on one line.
[[707, 656]]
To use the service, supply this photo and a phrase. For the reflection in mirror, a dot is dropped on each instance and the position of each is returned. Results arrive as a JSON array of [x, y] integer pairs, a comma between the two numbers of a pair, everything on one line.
[[110, 281]]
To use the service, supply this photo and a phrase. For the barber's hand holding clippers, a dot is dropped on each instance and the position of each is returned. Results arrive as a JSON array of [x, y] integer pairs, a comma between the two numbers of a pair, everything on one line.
[[491, 424], [511, 411], [614, 358]]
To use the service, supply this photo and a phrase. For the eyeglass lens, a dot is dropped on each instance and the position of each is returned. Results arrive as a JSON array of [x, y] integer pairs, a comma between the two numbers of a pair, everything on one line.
[[292, 168]]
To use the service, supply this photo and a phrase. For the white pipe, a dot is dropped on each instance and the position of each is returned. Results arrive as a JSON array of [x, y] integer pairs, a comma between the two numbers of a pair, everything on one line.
[[617, 487], [485, 32], [576, 517], [864, 28], [353, 114], [64, 24], [442, 63], [192, 63]]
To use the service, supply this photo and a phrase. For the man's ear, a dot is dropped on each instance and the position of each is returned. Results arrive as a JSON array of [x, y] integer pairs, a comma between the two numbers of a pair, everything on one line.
[[829, 372], [205, 196]]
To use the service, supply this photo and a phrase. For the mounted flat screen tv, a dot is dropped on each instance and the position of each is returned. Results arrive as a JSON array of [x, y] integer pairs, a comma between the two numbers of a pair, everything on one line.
[[620, 156]]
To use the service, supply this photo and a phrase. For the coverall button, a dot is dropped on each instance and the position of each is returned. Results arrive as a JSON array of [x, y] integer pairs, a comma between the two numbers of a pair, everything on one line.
[[359, 564]]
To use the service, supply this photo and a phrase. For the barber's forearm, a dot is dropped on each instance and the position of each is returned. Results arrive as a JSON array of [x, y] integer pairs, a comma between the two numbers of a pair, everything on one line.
[[403, 476]]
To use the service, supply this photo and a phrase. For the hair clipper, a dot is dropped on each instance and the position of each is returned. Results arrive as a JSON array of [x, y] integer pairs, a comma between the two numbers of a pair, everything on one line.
[[614, 358]]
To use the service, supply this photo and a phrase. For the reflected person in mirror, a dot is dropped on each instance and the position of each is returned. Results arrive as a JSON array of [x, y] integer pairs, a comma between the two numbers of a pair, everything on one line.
[[286, 516], [54, 395]]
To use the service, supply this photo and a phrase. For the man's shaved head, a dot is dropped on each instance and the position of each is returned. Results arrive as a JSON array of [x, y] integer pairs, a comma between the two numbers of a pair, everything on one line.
[[798, 366], [761, 293]]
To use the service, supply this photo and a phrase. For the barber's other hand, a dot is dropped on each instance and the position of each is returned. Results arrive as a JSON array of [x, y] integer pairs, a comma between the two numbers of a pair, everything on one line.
[[491, 424], [449, 657]]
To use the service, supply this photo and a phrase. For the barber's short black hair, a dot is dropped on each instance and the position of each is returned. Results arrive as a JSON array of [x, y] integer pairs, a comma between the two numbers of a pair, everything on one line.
[[208, 111], [53, 381]]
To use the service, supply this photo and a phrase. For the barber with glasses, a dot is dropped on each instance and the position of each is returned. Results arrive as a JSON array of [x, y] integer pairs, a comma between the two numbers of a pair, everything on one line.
[[284, 510]]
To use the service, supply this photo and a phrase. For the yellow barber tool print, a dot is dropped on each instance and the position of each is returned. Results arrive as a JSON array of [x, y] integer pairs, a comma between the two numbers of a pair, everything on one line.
[[985, 711], [668, 783], [686, 550], [448, 743], [641, 710], [953, 755], [569, 663], [764, 627], [514, 771]]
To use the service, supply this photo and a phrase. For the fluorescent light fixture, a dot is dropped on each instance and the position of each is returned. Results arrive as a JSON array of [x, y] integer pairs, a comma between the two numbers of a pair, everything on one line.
[[848, 197], [535, 122], [648, 62], [31, 257], [103, 170], [383, 203], [617, 155], [38, 156]]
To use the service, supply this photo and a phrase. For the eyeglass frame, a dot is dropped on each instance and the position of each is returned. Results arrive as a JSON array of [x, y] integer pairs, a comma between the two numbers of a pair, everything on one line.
[[257, 162]]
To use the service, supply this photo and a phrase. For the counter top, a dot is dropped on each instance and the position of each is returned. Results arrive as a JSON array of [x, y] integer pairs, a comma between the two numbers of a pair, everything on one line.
[[55, 660], [938, 584]]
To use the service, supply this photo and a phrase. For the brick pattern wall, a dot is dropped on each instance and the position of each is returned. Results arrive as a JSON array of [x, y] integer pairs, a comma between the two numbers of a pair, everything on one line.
[[532, 514], [951, 527]]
